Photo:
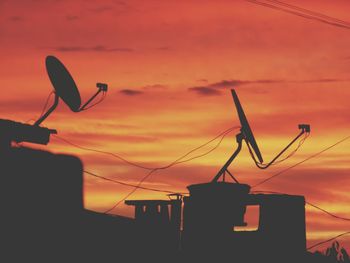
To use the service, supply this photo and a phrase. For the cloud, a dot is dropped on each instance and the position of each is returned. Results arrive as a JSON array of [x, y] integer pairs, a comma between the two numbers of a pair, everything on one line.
[[72, 17], [164, 48], [320, 80], [131, 92], [116, 7], [154, 87], [98, 48], [205, 91], [235, 82], [214, 88], [16, 18], [101, 9], [23, 104], [69, 48], [105, 49], [142, 90]]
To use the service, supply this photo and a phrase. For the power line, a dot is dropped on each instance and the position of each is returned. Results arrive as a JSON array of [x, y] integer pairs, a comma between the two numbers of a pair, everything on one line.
[[44, 107], [303, 161], [46, 103], [294, 11], [322, 210], [310, 204], [328, 240], [168, 166], [141, 166], [102, 152], [131, 185], [309, 11], [328, 213], [130, 193], [151, 170]]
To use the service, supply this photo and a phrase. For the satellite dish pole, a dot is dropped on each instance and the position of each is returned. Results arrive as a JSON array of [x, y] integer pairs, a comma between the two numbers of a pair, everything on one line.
[[224, 169], [49, 111]]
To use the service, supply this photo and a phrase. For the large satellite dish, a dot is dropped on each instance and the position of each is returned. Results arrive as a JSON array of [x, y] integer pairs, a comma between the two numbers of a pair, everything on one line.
[[63, 83], [246, 130], [246, 134]]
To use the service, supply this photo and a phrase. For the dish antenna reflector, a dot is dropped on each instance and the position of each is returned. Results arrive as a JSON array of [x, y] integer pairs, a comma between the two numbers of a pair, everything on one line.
[[63, 83], [246, 134], [65, 88], [245, 129]]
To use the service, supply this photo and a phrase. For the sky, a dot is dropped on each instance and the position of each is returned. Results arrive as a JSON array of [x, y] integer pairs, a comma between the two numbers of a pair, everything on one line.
[[170, 66]]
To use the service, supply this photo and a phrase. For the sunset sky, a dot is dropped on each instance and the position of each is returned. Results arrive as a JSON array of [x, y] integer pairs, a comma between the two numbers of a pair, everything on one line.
[[170, 66]]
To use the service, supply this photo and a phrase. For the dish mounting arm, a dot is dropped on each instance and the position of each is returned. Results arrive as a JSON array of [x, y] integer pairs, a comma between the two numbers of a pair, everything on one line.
[[223, 170], [49, 111], [305, 128], [102, 87]]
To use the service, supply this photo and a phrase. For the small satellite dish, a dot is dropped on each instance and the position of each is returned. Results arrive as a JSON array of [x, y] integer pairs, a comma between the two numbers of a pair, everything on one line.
[[66, 89], [246, 130], [63, 83]]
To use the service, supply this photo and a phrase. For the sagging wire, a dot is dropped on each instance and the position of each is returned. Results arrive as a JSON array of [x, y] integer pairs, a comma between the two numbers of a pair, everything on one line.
[[142, 166], [131, 185], [320, 209], [298, 163], [224, 134], [44, 107], [332, 21], [46, 103], [328, 240]]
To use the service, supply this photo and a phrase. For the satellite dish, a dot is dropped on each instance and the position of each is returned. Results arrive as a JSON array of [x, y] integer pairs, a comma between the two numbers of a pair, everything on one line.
[[247, 135], [66, 89], [246, 130], [63, 83]]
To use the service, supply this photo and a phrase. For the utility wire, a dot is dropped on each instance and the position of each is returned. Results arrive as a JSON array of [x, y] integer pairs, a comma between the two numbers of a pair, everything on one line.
[[328, 240], [170, 165], [102, 152], [303, 161], [310, 204], [44, 107], [152, 170], [322, 210], [130, 193], [328, 213], [141, 166], [46, 103], [308, 11], [131, 185], [301, 14]]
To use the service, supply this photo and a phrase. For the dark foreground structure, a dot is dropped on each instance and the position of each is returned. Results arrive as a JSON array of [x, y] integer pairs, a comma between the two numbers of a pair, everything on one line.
[[43, 219]]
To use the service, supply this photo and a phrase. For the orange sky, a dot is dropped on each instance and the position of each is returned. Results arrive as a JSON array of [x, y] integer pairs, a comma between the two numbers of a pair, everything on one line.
[[169, 66]]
